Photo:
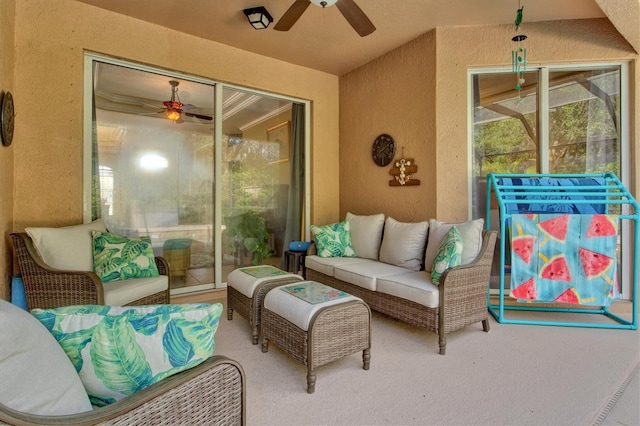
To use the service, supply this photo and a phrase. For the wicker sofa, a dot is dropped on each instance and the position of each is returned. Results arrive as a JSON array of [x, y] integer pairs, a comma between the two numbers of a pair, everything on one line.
[[71, 280], [393, 285]]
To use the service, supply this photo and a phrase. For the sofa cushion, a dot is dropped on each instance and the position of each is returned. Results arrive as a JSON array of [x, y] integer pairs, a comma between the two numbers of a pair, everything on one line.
[[333, 240], [116, 257], [69, 247], [414, 286], [448, 255], [365, 275], [37, 376], [403, 243], [471, 240], [122, 292], [366, 234], [118, 351], [326, 265]]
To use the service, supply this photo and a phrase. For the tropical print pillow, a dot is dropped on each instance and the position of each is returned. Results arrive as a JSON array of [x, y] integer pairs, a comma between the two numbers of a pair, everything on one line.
[[119, 350], [333, 240], [116, 257], [449, 255]]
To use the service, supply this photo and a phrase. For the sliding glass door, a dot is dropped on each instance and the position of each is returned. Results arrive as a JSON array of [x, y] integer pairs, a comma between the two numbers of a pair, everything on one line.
[[204, 170]]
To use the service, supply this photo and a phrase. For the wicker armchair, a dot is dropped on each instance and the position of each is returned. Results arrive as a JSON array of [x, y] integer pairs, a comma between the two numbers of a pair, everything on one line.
[[212, 393], [46, 287]]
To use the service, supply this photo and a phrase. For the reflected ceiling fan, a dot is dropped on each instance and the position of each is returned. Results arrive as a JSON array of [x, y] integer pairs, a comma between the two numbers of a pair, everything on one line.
[[174, 108], [349, 9]]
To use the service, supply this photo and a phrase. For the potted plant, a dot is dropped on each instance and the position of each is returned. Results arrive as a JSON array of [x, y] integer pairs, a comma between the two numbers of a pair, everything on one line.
[[250, 230]]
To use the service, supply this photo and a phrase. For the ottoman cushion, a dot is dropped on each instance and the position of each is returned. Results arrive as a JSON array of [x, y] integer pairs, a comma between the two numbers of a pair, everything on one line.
[[245, 280]]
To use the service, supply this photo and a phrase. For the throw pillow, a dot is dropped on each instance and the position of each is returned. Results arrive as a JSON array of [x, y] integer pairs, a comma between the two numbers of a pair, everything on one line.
[[67, 248], [448, 255], [118, 350], [333, 240], [37, 376], [403, 243], [366, 234], [116, 257], [471, 238]]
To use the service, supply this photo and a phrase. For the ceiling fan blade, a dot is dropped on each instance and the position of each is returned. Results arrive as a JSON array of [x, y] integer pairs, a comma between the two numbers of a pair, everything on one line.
[[201, 117], [292, 15], [356, 17]]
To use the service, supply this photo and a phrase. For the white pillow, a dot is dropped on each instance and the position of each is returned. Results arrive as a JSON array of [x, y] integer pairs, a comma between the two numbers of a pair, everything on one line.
[[471, 240], [37, 376], [69, 248], [403, 243], [366, 234]]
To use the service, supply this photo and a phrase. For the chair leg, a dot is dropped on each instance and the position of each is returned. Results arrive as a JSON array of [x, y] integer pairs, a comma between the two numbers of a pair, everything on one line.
[[443, 343], [485, 325], [229, 313]]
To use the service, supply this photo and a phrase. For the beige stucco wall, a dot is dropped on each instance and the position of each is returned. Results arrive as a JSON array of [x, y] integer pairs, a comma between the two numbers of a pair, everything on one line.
[[419, 94], [7, 56], [393, 94]]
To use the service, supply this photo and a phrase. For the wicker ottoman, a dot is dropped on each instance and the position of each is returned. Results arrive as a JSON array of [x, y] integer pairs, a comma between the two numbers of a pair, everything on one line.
[[246, 288], [316, 324]]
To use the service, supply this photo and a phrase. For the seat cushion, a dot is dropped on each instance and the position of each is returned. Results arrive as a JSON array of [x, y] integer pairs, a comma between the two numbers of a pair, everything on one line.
[[414, 286], [118, 351], [366, 234], [326, 265], [365, 275], [68, 248], [471, 233], [403, 243], [121, 292], [36, 375]]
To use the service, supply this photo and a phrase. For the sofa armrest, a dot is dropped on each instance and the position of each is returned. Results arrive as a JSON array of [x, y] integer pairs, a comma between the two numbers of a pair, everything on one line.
[[312, 250], [463, 289], [213, 392]]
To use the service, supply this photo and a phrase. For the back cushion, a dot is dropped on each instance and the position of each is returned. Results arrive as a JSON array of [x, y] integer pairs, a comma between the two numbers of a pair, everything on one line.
[[37, 376], [68, 248], [366, 234], [471, 233], [403, 243]]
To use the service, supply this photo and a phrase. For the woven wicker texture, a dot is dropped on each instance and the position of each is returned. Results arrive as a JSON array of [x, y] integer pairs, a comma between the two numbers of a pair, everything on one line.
[[46, 287], [463, 296], [250, 308], [213, 393], [334, 332]]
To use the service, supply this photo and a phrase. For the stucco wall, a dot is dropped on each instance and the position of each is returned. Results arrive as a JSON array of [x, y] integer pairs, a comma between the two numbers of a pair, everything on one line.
[[6, 153], [51, 39], [393, 94], [419, 94]]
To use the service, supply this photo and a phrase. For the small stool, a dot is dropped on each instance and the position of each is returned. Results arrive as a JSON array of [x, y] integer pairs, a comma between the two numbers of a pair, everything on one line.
[[295, 259], [177, 252], [316, 324], [246, 287]]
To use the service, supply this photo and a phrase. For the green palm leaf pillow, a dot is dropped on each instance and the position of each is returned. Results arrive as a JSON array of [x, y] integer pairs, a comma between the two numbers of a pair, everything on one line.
[[119, 350], [116, 257], [333, 240], [449, 254]]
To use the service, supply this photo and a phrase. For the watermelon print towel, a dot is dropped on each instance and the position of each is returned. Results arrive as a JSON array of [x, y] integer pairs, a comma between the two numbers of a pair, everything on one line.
[[564, 258]]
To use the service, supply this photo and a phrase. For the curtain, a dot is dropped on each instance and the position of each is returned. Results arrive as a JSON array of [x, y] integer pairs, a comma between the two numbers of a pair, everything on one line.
[[293, 230]]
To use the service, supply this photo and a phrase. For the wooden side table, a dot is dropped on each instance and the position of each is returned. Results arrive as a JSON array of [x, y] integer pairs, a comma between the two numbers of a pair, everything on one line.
[[294, 262]]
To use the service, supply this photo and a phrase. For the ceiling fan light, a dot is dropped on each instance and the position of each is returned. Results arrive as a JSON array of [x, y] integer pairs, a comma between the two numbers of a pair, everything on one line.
[[173, 114], [258, 17]]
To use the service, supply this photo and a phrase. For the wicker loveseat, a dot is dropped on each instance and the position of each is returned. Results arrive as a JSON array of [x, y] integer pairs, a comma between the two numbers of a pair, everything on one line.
[[49, 287], [404, 289]]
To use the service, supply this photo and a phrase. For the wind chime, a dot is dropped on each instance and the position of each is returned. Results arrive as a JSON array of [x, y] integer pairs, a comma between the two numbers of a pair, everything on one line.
[[519, 53]]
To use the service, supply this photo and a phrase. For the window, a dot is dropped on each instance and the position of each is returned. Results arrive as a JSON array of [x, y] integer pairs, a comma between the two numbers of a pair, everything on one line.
[[229, 153], [564, 120]]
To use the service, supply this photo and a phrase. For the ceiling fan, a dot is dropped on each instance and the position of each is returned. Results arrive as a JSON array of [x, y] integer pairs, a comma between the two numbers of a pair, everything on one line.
[[349, 9], [174, 108]]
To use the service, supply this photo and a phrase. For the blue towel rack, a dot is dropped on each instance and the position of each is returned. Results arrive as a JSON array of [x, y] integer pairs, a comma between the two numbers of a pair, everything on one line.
[[568, 193]]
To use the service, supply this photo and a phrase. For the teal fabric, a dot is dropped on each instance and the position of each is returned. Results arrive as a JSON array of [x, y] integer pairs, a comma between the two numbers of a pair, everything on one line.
[[116, 257], [118, 351], [333, 240], [449, 255]]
